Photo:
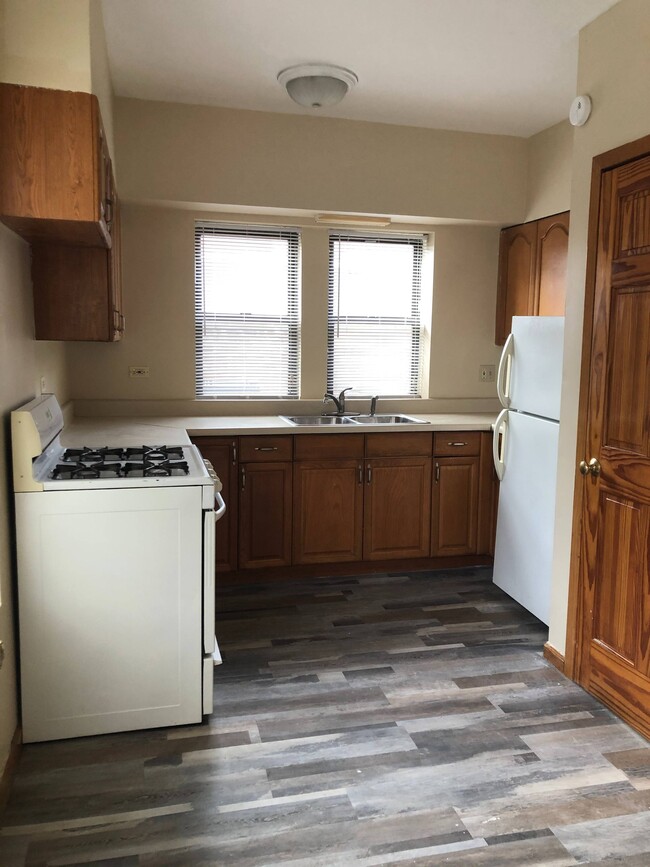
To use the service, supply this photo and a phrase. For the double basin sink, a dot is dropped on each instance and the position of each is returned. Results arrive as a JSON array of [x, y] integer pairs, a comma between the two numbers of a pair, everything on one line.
[[327, 420]]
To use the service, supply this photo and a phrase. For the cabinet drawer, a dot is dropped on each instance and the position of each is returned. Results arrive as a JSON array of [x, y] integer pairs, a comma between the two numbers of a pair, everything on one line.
[[456, 443], [265, 448], [318, 447], [382, 445]]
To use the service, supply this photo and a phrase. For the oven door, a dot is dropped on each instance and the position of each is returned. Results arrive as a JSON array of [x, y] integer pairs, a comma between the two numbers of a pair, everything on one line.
[[211, 655]]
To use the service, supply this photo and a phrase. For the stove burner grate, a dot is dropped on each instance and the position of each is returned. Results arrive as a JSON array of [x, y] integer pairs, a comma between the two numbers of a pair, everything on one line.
[[154, 453], [79, 470], [92, 455], [149, 468]]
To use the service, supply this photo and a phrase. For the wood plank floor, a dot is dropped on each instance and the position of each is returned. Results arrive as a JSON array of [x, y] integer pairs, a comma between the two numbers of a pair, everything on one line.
[[379, 720]]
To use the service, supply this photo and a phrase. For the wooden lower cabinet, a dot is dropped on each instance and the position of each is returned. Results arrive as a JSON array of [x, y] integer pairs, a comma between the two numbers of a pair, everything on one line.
[[265, 510], [397, 508], [454, 506], [328, 511], [222, 454]]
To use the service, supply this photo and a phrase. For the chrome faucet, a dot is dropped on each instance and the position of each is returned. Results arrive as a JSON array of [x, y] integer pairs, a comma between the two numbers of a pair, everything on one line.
[[373, 404], [339, 401]]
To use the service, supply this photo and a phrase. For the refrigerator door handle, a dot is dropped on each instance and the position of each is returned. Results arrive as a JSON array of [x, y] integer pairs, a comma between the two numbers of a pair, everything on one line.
[[499, 443], [504, 372]]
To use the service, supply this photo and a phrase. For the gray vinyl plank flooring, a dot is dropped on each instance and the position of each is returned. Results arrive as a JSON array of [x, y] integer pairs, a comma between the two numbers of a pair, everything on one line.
[[405, 719]]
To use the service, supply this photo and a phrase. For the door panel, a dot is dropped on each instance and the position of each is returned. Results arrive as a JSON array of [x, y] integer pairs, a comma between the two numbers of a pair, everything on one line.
[[455, 506], [265, 515], [552, 249], [611, 656], [397, 508], [617, 603], [628, 379], [328, 511]]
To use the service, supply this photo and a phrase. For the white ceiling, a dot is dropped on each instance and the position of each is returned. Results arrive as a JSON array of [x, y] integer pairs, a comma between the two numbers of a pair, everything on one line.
[[493, 66]]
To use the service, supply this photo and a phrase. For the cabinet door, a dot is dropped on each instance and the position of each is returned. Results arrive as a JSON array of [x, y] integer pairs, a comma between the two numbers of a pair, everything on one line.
[[222, 454], [265, 493], [397, 508], [550, 281], [72, 296], [327, 511], [516, 287], [455, 506]]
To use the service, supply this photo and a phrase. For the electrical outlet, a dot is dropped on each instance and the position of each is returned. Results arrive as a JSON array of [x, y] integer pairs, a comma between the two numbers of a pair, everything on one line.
[[138, 372], [43, 385], [486, 373]]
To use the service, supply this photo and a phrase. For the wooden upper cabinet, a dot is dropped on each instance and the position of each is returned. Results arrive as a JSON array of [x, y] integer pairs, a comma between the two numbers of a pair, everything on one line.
[[55, 172], [532, 271], [78, 289], [550, 278]]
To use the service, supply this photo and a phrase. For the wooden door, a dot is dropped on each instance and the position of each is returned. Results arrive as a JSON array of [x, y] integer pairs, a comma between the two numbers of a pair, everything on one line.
[[265, 514], [516, 288], [609, 652], [222, 454], [455, 506], [397, 508], [550, 279], [327, 511]]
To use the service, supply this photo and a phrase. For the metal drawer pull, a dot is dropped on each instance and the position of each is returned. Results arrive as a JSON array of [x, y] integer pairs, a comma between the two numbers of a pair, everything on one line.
[[456, 444], [266, 448]]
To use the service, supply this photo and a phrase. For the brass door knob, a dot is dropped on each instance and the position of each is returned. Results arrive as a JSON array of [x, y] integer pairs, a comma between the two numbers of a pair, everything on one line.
[[589, 469]]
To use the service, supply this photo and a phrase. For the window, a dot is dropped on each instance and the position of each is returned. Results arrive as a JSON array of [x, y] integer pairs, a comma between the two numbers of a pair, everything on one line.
[[247, 314], [374, 314]]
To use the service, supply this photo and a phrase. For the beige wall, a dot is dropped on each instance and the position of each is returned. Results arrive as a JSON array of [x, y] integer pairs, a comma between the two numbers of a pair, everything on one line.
[[22, 362], [185, 153], [158, 271], [549, 171], [45, 43], [100, 75], [614, 69]]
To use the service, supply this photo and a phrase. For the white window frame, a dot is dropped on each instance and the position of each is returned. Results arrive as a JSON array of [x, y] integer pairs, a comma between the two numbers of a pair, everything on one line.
[[418, 244], [202, 318]]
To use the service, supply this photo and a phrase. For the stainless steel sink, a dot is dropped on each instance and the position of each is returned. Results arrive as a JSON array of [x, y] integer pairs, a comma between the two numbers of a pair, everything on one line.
[[325, 420], [320, 420], [388, 419]]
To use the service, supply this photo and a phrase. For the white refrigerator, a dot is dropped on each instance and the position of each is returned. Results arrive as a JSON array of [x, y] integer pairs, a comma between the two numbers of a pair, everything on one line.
[[525, 446]]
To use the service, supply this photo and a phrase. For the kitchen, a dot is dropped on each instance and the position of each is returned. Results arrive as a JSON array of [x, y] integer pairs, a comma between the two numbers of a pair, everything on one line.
[[163, 156]]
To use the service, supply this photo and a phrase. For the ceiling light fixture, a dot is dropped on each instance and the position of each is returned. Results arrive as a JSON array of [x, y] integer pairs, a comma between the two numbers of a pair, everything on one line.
[[315, 85], [352, 220]]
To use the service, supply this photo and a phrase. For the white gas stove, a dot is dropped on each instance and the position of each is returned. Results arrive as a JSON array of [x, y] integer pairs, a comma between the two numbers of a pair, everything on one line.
[[115, 580]]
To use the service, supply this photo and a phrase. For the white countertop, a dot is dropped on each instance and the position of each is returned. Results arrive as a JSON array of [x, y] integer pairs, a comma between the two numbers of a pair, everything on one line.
[[176, 430]]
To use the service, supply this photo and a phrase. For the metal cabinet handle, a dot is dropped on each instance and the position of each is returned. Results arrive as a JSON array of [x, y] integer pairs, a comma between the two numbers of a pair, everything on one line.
[[243, 478], [234, 453], [360, 474], [437, 473], [108, 213], [456, 444], [369, 474], [266, 448]]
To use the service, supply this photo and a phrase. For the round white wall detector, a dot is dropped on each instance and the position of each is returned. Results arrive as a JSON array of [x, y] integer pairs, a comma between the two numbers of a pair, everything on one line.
[[580, 110]]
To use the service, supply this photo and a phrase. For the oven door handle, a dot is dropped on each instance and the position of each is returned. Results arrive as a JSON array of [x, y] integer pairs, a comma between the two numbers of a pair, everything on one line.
[[221, 506]]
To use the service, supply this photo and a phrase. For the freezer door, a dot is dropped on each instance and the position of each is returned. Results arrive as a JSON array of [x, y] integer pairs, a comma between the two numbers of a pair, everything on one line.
[[524, 543], [535, 382]]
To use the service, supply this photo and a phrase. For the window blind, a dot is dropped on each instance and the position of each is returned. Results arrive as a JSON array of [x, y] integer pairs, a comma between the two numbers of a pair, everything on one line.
[[247, 311], [374, 314]]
